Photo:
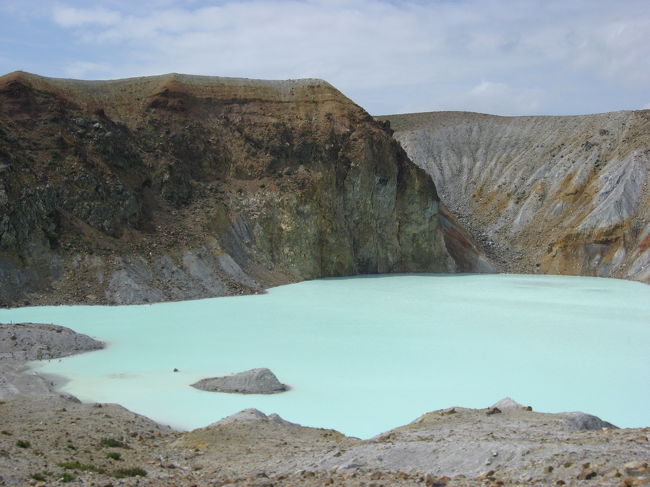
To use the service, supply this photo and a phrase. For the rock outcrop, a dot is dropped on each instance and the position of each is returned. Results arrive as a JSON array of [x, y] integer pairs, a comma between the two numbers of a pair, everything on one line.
[[254, 381], [36, 341], [21, 342], [252, 415], [557, 195], [180, 187]]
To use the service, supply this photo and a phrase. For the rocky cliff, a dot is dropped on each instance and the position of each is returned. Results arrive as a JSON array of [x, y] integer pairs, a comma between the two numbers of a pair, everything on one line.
[[557, 195], [179, 187]]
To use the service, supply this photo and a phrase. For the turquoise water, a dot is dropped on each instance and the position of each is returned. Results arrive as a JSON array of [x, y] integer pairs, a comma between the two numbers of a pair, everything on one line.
[[367, 354]]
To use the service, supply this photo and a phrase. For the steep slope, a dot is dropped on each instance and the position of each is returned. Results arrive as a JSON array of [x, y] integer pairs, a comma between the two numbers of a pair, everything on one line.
[[559, 195], [176, 187]]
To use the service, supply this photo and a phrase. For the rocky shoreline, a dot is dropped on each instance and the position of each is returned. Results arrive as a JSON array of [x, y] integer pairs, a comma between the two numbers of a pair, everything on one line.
[[50, 439]]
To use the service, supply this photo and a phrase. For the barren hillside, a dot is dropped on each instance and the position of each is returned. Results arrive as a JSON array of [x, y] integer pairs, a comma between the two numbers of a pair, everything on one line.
[[557, 195]]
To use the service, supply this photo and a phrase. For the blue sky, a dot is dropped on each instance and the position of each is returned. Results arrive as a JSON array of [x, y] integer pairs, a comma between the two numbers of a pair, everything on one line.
[[507, 57]]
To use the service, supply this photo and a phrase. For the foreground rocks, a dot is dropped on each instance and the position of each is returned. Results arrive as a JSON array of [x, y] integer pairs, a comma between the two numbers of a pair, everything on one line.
[[254, 381], [451, 447], [50, 439]]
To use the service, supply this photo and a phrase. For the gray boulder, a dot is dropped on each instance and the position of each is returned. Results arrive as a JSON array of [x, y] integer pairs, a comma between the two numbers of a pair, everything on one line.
[[36, 341], [579, 421], [254, 381], [508, 403], [253, 416]]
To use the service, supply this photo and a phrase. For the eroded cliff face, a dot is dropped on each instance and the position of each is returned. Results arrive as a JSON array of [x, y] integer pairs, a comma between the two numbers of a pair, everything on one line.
[[177, 187], [556, 195]]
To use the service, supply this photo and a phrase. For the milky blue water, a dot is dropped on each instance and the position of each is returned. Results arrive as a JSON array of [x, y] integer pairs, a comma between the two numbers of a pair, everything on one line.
[[366, 354]]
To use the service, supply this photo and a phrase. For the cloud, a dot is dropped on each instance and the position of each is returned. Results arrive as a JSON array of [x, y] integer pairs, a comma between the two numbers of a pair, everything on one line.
[[387, 55], [75, 17], [84, 69], [494, 97], [646, 106]]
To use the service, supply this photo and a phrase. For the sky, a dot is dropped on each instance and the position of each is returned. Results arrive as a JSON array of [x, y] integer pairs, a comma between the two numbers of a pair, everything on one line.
[[505, 57]]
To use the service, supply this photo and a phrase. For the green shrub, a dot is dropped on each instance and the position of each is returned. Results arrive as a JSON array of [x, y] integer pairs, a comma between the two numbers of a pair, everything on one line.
[[112, 443], [23, 444], [81, 467], [66, 477], [129, 472], [114, 455], [38, 476]]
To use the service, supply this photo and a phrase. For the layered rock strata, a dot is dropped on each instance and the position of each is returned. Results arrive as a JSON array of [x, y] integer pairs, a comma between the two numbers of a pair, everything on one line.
[[179, 187], [557, 195]]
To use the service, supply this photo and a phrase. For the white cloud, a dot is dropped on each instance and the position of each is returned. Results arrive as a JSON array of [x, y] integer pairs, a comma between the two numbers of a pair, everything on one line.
[[646, 106], [84, 69], [422, 54], [75, 17], [493, 97]]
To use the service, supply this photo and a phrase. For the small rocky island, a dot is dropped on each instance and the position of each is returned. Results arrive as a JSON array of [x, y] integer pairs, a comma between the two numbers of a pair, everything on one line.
[[254, 381]]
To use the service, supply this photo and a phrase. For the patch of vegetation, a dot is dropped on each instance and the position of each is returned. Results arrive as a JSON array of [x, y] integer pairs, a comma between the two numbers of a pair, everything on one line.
[[66, 477], [23, 444], [5, 432], [41, 476], [597, 164], [81, 467], [114, 455], [112, 443], [129, 472]]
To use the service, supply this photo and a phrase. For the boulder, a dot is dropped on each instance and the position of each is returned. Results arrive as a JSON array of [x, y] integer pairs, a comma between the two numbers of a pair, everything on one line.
[[37, 341], [255, 416], [254, 381], [508, 403], [579, 421]]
